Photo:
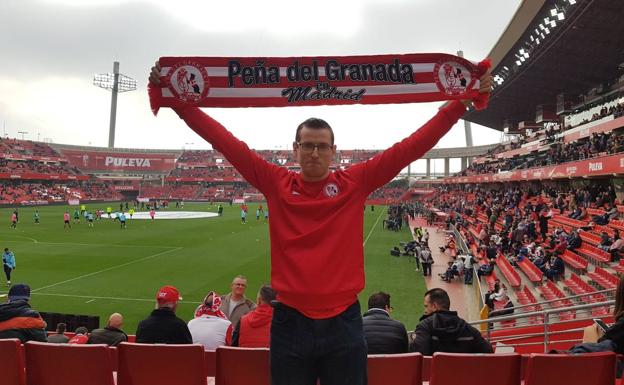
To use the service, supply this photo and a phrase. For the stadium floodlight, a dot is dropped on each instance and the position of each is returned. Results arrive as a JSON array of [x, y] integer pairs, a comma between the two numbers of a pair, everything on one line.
[[537, 41], [546, 20], [505, 68], [23, 133], [547, 30], [572, 2], [521, 51], [532, 38], [560, 16], [518, 62], [541, 26], [553, 24], [526, 55], [553, 12], [116, 83]]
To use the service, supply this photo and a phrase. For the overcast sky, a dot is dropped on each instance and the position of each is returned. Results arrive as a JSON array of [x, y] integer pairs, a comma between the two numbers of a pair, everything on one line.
[[50, 50]]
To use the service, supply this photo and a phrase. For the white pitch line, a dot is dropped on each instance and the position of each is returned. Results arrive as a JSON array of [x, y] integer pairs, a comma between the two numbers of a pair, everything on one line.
[[108, 269], [91, 300], [22, 236], [95, 244], [94, 297], [373, 228]]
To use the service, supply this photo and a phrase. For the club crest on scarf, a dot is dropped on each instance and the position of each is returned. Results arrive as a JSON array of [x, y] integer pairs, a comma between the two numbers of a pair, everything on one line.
[[189, 82], [452, 78]]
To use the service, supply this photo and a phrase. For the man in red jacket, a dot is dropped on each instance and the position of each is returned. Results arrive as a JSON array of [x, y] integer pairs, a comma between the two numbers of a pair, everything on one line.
[[317, 253], [254, 328]]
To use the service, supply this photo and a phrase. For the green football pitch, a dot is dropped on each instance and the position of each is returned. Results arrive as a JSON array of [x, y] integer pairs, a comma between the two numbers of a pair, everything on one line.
[[104, 269]]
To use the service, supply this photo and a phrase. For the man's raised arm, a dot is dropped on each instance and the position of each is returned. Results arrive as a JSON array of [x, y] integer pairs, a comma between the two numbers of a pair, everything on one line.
[[252, 167]]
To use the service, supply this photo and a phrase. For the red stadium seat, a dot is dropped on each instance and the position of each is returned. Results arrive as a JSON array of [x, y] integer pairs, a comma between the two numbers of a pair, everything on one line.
[[395, 369], [210, 363], [561, 369], [255, 369], [426, 368], [12, 358], [475, 369], [158, 364], [63, 364]]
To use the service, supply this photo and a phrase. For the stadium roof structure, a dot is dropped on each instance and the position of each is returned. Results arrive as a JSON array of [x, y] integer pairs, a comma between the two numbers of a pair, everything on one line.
[[552, 47]]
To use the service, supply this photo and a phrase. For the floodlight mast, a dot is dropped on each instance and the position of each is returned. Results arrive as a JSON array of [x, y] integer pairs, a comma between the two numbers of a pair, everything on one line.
[[115, 82]]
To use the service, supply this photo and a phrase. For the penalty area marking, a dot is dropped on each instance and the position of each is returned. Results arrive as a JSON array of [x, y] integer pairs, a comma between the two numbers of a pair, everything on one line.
[[95, 297]]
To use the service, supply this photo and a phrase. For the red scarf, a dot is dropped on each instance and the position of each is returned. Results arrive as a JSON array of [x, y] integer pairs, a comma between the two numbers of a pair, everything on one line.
[[210, 309], [313, 81]]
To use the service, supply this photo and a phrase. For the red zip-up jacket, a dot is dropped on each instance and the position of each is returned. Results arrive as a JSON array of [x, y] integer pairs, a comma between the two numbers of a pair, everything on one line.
[[317, 253]]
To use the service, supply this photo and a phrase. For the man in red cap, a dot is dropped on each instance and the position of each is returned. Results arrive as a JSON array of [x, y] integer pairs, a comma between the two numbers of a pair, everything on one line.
[[162, 326]]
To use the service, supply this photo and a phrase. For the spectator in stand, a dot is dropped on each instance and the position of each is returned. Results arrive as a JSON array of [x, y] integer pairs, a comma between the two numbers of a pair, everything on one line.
[[110, 335], [615, 333], [555, 268], [254, 328], [486, 269], [81, 337], [383, 334], [441, 330], [616, 247], [235, 305], [210, 327], [18, 319], [162, 326], [59, 337]]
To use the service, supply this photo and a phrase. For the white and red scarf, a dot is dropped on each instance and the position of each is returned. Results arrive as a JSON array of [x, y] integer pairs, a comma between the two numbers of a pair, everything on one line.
[[210, 306], [313, 81]]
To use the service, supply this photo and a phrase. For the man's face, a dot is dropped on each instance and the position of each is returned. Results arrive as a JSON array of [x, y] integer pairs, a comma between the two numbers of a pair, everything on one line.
[[238, 286], [314, 162], [429, 307]]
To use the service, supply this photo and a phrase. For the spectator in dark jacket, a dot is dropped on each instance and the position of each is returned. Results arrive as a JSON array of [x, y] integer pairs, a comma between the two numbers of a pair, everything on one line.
[[441, 330], [383, 334], [112, 334], [18, 319], [59, 337], [162, 326]]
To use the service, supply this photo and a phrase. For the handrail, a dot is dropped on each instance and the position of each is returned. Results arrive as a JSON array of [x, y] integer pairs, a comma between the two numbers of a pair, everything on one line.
[[564, 298], [543, 312], [546, 314]]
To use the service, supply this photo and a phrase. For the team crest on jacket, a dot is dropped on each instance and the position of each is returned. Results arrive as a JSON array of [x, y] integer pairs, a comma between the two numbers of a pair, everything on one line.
[[452, 78], [331, 190], [188, 81]]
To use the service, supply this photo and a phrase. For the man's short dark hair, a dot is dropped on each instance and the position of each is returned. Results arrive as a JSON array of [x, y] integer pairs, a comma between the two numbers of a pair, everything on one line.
[[61, 327], [439, 297], [81, 330], [315, 124], [379, 300], [267, 294]]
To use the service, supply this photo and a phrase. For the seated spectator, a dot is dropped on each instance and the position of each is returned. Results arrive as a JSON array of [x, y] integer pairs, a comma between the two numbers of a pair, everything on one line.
[[555, 268], [81, 337], [18, 319], [574, 240], [210, 327], [605, 241], [615, 332], [59, 337], [456, 268], [112, 334], [254, 328], [616, 247], [441, 330], [383, 334], [486, 269], [162, 326]]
